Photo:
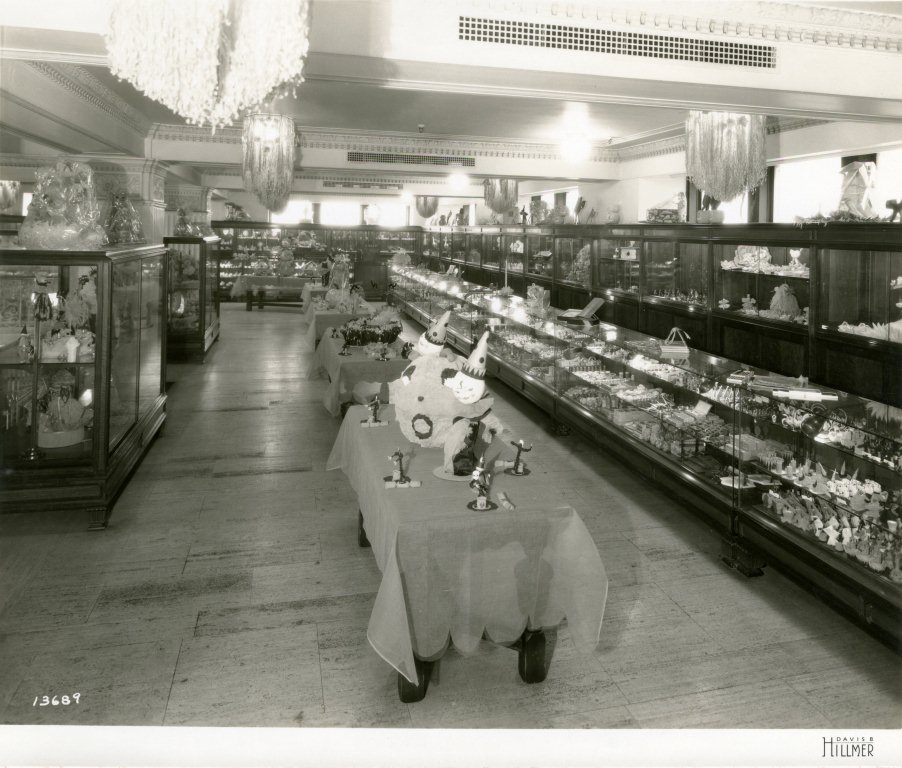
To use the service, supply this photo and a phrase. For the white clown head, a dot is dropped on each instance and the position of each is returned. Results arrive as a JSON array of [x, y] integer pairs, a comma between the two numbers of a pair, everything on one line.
[[433, 338], [468, 384]]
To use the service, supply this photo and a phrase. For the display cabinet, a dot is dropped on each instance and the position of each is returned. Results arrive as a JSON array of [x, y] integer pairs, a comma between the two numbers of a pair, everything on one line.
[[193, 317], [9, 229], [493, 251], [617, 265], [539, 253], [83, 374], [573, 261], [791, 473]]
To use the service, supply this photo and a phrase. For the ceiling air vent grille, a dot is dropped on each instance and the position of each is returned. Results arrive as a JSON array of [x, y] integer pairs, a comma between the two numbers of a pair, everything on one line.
[[388, 157], [563, 37]]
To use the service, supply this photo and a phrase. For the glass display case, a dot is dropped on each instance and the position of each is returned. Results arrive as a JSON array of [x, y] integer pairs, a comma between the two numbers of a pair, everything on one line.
[[475, 243], [514, 253], [861, 292], [458, 246], [677, 271], [193, 322], [573, 260], [770, 282], [493, 251], [617, 265], [82, 373], [808, 476], [539, 253]]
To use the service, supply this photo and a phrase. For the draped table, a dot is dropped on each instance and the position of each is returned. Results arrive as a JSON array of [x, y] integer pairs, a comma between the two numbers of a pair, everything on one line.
[[269, 285], [319, 319], [454, 575], [345, 373]]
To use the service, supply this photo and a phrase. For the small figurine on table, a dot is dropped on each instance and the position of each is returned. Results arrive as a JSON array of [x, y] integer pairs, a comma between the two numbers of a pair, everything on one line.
[[519, 467], [398, 478], [481, 482], [373, 406], [344, 349]]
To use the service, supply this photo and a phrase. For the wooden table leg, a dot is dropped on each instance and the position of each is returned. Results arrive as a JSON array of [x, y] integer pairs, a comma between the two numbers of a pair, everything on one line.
[[531, 657], [261, 297], [362, 540], [249, 300], [410, 693]]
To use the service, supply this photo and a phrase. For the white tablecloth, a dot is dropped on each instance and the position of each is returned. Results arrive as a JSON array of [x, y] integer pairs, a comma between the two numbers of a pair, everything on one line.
[[346, 372], [313, 290], [451, 573], [318, 320]]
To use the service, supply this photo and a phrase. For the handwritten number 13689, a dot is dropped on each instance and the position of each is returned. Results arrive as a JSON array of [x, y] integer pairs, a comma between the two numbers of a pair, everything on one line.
[[46, 701]]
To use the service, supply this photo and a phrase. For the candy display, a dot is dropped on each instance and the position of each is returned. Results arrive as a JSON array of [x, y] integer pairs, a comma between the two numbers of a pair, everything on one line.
[[63, 212]]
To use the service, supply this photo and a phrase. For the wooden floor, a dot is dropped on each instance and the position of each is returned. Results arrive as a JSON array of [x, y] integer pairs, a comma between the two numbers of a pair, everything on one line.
[[229, 590]]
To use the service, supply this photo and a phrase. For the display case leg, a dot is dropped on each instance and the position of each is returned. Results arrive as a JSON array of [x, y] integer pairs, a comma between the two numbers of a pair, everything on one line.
[[261, 297], [531, 657], [737, 555], [97, 519], [362, 540], [249, 300], [410, 693]]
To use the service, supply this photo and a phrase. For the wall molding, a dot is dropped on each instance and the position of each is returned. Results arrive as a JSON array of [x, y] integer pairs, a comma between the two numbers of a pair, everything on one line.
[[78, 81], [769, 21]]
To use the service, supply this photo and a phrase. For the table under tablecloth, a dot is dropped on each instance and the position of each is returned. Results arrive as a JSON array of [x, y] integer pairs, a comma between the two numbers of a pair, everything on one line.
[[449, 573], [347, 372], [319, 319], [272, 284], [313, 290]]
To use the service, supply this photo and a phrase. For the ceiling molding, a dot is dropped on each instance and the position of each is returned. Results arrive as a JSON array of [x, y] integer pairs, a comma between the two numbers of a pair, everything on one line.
[[88, 88], [771, 21]]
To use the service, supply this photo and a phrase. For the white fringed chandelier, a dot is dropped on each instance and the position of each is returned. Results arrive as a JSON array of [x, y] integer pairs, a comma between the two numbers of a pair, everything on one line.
[[500, 195], [725, 152], [209, 60], [268, 145]]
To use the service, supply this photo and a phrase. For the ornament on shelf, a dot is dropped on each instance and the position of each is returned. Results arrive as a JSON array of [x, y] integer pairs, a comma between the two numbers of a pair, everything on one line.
[[481, 483], [63, 212], [123, 226]]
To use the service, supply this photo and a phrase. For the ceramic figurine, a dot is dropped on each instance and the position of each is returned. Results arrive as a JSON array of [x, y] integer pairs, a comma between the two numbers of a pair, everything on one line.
[[373, 406], [480, 482]]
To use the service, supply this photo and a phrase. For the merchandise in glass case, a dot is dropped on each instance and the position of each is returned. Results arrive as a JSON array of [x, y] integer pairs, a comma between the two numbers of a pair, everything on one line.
[[193, 299], [514, 249], [493, 252], [677, 271], [81, 372], [617, 265], [768, 282], [539, 254], [574, 260], [861, 294]]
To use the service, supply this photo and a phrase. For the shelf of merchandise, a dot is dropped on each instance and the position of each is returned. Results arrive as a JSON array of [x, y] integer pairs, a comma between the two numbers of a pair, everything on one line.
[[257, 248], [701, 430], [100, 402], [193, 317], [654, 277]]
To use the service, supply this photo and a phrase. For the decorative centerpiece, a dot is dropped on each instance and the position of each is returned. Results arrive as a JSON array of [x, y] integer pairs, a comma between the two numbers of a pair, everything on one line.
[[63, 212], [123, 225], [359, 333]]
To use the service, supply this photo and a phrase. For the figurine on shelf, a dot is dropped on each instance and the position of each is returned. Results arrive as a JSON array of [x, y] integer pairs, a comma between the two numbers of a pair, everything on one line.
[[25, 348], [724, 303], [519, 467], [748, 304], [397, 473], [784, 302], [524, 216]]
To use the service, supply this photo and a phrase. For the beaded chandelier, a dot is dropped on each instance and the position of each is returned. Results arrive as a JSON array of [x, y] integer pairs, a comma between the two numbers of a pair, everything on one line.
[[268, 144], [209, 60], [500, 195], [725, 152]]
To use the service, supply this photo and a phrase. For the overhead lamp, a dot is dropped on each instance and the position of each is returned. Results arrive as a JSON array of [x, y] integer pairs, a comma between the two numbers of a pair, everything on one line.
[[725, 152], [209, 60], [458, 180], [575, 148]]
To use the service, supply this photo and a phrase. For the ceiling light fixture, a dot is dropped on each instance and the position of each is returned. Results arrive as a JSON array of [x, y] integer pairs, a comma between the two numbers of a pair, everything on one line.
[[458, 180], [268, 146], [725, 152], [209, 60], [575, 149]]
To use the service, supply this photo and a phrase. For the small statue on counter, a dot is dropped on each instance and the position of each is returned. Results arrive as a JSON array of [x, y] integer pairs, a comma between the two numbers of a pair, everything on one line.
[[398, 478], [373, 419], [481, 483], [519, 467]]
